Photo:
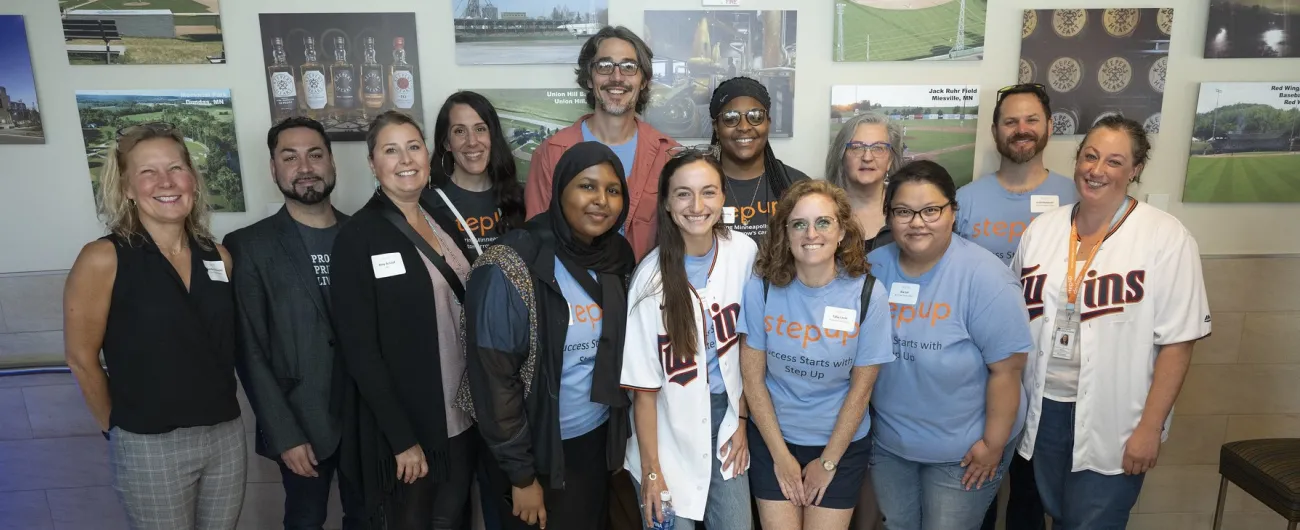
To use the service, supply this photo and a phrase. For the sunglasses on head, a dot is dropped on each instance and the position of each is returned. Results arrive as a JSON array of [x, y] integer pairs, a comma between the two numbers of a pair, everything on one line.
[[1036, 88], [754, 116], [606, 67], [160, 127], [709, 150]]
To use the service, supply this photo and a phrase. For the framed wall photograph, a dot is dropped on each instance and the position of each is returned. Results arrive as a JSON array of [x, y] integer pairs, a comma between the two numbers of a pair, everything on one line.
[[938, 121], [908, 30], [1245, 144], [531, 115], [1253, 28], [142, 31], [20, 115], [524, 31]]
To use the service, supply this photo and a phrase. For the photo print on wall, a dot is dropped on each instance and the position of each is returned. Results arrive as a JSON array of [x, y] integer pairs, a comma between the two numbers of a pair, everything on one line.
[[341, 69], [206, 118], [20, 116], [1253, 28], [531, 115], [908, 30], [1097, 62], [1245, 144], [697, 50], [142, 31], [524, 31], [938, 121]]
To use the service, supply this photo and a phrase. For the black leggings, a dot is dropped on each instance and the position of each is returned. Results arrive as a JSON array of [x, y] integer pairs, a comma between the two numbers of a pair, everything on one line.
[[425, 504], [583, 504]]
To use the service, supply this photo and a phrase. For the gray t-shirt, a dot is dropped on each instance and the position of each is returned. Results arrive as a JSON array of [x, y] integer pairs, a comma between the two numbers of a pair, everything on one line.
[[480, 211], [754, 203], [319, 243]]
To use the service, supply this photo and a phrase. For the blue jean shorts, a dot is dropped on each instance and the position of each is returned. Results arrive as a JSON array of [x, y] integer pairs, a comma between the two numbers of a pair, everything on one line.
[[841, 494]]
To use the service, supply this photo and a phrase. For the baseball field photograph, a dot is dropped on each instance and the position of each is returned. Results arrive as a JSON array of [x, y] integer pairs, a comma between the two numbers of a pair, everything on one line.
[[1245, 144], [908, 30], [938, 121]]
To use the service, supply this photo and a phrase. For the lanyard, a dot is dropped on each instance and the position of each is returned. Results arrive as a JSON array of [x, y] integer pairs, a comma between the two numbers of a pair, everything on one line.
[[1072, 281]]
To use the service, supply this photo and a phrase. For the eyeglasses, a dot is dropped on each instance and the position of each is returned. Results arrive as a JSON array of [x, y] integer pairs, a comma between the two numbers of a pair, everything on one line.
[[1035, 88], [731, 118], [821, 225], [160, 127], [700, 149], [929, 214], [877, 149], [606, 67]]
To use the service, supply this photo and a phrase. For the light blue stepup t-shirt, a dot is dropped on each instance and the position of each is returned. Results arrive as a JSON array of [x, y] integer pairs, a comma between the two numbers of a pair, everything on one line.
[[578, 414], [626, 152], [808, 366], [995, 218], [969, 313], [697, 272]]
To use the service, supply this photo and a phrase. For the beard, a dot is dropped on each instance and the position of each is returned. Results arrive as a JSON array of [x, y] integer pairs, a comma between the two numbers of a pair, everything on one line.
[[612, 109], [309, 196], [1017, 156]]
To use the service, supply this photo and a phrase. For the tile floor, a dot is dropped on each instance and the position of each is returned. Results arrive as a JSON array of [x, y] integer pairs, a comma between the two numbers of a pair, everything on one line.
[[54, 472]]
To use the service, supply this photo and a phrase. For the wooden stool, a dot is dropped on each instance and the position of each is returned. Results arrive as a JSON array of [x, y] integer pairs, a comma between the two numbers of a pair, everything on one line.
[[1269, 470]]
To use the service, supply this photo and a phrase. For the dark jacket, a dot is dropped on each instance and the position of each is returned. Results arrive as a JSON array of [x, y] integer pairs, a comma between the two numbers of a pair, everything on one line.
[[387, 337], [285, 340], [524, 433]]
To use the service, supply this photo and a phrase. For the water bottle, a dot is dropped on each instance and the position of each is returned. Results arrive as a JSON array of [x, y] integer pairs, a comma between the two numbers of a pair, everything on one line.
[[669, 519]]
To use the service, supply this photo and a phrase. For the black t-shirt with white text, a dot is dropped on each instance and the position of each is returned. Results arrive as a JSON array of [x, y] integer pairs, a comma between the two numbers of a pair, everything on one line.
[[319, 243], [754, 205], [479, 208]]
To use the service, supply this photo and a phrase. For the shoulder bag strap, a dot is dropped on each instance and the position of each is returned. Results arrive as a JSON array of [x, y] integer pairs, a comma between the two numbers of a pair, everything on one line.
[[473, 240], [447, 274], [867, 285]]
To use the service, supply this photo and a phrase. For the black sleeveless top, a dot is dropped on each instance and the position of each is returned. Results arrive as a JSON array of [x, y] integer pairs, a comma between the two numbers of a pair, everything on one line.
[[170, 353]]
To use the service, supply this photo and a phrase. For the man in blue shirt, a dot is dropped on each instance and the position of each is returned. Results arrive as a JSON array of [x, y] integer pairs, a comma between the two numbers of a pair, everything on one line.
[[996, 208]]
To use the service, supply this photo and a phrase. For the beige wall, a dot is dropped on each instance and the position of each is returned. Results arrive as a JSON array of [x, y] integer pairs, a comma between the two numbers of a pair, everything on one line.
[[46, 208]]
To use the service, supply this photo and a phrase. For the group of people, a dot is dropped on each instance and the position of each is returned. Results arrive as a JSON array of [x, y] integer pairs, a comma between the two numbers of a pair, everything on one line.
[[853, 363]]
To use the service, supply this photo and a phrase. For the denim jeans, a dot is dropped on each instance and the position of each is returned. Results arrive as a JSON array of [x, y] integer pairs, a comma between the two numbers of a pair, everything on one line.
[[1024, 509], [920, 496], [1077, 500], [306, 499], [728, 503]]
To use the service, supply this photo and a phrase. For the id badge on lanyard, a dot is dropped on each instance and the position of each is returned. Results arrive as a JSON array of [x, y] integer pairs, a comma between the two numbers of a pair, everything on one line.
[[1065, 341]]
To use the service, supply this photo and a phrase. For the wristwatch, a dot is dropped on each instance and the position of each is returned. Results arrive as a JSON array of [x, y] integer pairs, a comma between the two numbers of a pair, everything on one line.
[[827, 464]]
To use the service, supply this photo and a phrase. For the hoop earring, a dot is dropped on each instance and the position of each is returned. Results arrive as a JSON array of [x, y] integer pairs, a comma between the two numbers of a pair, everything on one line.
[[443, 163]]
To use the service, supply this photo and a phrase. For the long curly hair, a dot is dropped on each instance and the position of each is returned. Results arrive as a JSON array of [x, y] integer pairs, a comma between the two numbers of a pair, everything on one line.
[[775, 262], [120, 214]]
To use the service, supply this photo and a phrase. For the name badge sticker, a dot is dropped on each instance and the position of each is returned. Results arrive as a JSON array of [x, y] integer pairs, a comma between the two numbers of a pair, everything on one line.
[[729, 215], [1043, 203], [389, 264], [216, 271], [904, 293], [839, 318]]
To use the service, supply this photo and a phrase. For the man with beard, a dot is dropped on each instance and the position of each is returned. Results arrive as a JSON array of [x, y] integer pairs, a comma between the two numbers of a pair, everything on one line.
[[286, 358], [993, 212], [614, 69], [755, 178]]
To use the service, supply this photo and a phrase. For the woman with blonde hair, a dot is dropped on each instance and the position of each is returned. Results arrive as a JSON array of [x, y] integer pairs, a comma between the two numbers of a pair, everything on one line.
[[155, 296], [815, 328]]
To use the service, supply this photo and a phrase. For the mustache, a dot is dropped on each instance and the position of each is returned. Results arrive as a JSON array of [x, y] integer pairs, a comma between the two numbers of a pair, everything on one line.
[[616, 84], [1025, 136], [308, 176]]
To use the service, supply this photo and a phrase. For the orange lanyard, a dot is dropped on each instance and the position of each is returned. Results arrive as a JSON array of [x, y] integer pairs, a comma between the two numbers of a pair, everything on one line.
[[1072, 281]]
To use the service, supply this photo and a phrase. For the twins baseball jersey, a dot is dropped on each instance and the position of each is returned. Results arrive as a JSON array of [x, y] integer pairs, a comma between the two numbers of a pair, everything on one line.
[[1143, 290], [682, 386], [995, 218]]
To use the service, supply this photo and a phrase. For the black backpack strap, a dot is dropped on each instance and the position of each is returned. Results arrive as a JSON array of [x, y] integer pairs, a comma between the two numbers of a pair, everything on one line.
[[868, 284], [447, 274], [766, 284]]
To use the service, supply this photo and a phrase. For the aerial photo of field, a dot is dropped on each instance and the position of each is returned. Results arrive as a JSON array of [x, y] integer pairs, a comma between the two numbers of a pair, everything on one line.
[[205, 117], [147, 31], [908, 30], [531, 115]]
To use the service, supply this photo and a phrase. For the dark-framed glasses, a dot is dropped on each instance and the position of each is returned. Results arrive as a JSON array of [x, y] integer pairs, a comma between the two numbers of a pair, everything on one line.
[[699, 149], [877, 149], [606, 67], [821, 224], [928, 214], [160, 127], [754, 116]]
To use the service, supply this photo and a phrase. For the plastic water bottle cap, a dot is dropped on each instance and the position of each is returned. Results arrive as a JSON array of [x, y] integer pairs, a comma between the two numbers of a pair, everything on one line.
[[665, 496]]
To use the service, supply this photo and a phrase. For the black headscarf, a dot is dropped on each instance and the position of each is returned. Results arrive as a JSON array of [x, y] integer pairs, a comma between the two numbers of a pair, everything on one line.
[[736, 87], [608, 254]]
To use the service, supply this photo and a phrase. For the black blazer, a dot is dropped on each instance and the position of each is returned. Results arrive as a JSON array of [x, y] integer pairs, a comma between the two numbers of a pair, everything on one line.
[[285, 342], [388, 338]]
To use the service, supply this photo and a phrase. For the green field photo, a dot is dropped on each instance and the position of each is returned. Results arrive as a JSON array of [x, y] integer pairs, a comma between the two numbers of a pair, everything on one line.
[[209, 132], [904, 30], [950, 143], [530, 116], [1243, 177], [197, 25]]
